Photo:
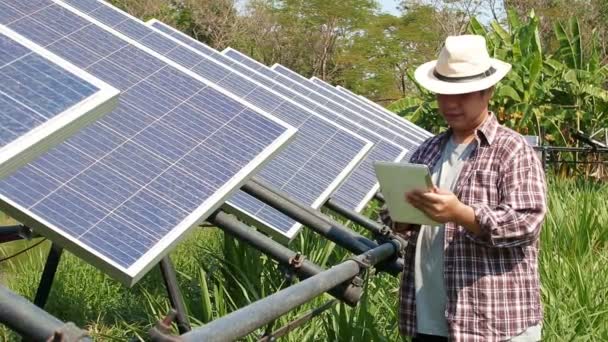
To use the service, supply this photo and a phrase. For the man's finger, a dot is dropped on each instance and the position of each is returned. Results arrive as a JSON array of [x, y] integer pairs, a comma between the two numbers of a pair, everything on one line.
[[430, 197]]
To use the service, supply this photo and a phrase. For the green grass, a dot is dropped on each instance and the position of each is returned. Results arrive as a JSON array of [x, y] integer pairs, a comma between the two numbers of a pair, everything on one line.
[[218, 275]]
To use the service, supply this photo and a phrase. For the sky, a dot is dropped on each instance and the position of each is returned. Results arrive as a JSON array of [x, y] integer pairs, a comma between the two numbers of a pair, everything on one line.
[[390, 6]]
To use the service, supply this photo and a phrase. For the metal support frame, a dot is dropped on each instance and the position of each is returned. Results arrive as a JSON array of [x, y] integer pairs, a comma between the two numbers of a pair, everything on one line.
[[33, 323], [175, 296], [11, 233], [167, 271], [323, 225], [347, 293], [48, 275], [379, 230], [245, 320]]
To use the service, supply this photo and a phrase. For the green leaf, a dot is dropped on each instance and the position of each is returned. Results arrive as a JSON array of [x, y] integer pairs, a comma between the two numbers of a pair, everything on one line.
[[566, 49], [475, 27], [504, 35], [508, 91], [577, 44], [513, 19]]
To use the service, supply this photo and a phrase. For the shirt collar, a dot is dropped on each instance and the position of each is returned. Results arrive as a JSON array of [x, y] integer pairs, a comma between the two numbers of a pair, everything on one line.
[[485, 133]]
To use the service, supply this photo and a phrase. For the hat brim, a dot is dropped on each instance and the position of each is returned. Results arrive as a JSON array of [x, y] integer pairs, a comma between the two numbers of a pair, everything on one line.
[[425, 77]]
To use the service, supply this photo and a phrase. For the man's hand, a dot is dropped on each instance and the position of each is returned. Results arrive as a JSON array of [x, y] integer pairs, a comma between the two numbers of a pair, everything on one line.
[[443, 206]]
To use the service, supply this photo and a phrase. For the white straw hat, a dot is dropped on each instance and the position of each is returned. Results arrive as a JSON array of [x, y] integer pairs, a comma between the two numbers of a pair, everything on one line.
[[463, 66]]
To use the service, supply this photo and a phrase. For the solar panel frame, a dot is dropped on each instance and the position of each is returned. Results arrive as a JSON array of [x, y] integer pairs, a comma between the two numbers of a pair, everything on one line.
[[129, 276], [54, 130], [374, 189], [251, 218], [367, 103], [408, 128]]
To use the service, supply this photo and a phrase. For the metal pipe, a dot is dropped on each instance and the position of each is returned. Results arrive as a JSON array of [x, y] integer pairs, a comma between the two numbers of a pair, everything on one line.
[[330, 229], [304, 214], [345, 292], [33, 323], [10, 233], [293, 325], [571, 149], [48, 274], [354, 216], [245, 320], [175, 295]]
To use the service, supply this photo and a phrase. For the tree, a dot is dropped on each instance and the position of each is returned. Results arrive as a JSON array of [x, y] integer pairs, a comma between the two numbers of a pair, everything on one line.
[[451, 16], [544, 92], [376, 63]]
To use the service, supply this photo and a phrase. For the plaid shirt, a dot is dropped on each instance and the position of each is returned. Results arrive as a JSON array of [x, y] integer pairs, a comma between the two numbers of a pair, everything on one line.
[[492, 280]]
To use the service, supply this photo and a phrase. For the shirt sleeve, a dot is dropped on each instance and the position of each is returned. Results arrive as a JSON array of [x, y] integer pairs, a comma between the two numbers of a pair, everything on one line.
[[517, 219]]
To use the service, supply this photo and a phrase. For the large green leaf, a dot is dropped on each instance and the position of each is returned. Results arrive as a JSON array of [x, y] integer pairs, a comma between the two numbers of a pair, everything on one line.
[[504, 35], [577, 44], [513, 19], [475, 27], [566, 48], [535, 69], [508, 91]]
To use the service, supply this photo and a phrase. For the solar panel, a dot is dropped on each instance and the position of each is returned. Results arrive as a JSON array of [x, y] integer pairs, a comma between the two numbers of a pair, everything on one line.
[[124, 190], [321, 95], [305, 91], [43, 100], [409, 129], [368, 104], [361, 185], [309, 169]]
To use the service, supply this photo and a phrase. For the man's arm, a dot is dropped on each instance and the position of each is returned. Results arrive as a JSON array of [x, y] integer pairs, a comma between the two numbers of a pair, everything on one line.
[[515, 221], [518, 218]]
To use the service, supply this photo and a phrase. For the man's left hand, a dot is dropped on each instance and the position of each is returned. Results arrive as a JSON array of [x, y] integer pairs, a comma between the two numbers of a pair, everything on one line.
[[438, 204]]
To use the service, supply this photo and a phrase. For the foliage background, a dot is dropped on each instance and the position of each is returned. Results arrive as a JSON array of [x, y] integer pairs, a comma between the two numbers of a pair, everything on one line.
[[558, 50]]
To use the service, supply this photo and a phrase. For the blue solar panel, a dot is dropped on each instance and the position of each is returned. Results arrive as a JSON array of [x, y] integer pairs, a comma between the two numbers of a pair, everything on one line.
[[361, 185], [123, 191], [379, 110], [304, 90], [409, 129], [360, 188], [43, 99], [296, 80], [313, 165]]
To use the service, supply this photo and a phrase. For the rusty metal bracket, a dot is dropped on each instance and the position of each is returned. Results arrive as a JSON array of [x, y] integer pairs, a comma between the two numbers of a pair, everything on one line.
[[69, 332], [161, 332]]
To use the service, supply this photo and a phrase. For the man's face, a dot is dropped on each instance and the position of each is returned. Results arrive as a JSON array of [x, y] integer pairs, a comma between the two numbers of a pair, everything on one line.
[[464, 112]]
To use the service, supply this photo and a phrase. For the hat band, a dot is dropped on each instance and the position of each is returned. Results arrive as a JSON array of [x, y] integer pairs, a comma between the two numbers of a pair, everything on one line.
[[464, 78]]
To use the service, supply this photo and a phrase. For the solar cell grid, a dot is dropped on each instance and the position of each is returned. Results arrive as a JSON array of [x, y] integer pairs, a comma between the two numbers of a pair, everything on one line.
[[361, 185], [331, 92], [124, 190], [43, 99], [406, 139], [379, 110], [320, 156]]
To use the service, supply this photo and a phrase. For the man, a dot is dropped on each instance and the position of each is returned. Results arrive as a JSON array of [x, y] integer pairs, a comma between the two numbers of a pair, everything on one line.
[[475, 277]]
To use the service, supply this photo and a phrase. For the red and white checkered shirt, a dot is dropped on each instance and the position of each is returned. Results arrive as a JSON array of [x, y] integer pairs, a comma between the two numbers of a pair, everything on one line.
[[492, 280]]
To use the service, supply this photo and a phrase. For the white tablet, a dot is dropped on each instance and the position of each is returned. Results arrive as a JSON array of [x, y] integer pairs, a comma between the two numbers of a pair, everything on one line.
[[395, 180]]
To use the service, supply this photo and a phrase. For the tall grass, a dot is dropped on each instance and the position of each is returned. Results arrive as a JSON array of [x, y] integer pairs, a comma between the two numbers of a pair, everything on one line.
[[218, 274]]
